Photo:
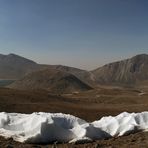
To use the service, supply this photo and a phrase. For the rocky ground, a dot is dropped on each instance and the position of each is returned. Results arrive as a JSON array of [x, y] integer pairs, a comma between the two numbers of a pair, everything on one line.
[[138, 140], [91, 105]]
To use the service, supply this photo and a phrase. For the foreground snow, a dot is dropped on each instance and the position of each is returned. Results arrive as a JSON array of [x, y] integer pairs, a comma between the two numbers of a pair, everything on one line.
[[48, 127]]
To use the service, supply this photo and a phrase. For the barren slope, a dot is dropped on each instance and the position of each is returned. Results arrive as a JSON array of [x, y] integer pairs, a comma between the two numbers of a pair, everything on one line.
[[13, 66], [53, 80], [129, 72]]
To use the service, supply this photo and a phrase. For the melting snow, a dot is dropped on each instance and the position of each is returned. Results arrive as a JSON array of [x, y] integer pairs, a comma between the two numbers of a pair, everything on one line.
[[47, 127]]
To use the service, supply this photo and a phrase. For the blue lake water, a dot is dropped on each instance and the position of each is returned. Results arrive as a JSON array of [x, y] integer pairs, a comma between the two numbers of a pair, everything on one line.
[[5, 82]]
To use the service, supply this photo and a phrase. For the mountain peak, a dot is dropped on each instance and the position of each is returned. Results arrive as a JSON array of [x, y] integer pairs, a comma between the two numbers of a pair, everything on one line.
[[12, 54], [129, 71], [140, 56], [20, 58], [14, 66]]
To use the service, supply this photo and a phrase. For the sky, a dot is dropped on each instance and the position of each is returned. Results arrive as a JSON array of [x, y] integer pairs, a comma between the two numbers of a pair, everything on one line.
[[79, 33]]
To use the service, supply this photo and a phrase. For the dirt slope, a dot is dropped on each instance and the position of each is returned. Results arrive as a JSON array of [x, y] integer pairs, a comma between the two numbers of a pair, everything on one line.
[[53, 80]]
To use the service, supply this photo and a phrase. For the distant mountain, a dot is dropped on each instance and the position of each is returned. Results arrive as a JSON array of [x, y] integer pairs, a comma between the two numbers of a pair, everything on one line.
[[129, 72], [83, 75], [126, 72], [53, 80], [13, 66]]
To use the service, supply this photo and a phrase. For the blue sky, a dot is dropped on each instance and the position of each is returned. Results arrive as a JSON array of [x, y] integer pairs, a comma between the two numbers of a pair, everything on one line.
[[80, 33]]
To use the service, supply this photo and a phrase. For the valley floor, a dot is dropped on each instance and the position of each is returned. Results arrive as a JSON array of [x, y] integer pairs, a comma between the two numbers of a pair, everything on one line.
[[91, 105]]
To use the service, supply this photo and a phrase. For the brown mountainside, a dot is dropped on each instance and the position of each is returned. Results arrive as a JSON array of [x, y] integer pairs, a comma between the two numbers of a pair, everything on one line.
[[130, 71], [14, 67], [126, 72], [53, 80]]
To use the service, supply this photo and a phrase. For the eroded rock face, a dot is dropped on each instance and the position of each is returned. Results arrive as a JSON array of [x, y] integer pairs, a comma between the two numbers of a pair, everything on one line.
[[128, 71]]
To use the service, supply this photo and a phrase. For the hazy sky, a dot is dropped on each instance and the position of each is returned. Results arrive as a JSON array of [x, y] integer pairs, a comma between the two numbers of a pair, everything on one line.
[[80, 33]]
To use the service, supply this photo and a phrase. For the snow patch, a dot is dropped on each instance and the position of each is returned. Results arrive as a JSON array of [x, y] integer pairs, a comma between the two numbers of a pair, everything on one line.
[[49, 127]]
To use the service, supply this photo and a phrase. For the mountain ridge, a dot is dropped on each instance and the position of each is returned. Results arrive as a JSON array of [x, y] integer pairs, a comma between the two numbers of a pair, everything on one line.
[[13, 66], [128, 71], [52, 80]]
